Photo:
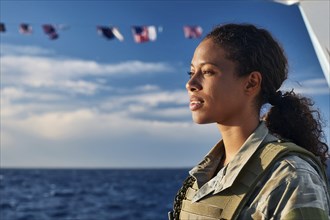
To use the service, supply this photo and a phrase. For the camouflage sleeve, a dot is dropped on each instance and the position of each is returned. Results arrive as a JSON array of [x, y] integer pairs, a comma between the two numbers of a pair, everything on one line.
[[306, 213], [293, 190]]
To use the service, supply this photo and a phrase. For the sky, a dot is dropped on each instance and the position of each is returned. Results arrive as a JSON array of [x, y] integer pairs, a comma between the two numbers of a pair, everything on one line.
[[87, 102]]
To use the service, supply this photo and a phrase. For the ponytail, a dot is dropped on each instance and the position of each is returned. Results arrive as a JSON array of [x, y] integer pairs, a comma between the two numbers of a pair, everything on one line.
[[292, 117]]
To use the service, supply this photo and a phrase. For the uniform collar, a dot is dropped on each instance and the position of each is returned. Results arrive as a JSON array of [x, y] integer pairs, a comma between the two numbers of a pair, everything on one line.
[[205, 170]]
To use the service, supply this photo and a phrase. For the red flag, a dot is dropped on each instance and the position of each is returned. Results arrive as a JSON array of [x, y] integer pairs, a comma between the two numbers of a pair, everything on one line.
[[144, 33]]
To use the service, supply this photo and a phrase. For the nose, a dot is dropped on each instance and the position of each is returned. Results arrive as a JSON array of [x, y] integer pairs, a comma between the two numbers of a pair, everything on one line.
[[194, 84]]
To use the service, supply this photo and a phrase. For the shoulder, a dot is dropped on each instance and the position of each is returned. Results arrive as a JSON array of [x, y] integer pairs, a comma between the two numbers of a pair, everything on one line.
[[297, 171], [291, 162], [293, 166], [295, 183], [292, 183], [293, 172]]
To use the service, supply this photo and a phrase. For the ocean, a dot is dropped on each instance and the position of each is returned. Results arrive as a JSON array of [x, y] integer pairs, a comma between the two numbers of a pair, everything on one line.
[[88, 194]]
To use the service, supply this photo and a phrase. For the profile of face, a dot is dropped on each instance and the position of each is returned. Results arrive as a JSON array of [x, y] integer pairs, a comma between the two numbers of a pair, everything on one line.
[[217, 94]]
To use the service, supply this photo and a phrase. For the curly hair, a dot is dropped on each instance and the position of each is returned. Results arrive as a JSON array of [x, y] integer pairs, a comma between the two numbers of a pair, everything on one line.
[[255, 49]]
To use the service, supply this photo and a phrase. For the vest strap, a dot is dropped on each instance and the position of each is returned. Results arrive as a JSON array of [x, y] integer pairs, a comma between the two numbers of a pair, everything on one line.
[[202, 209], [190, 193]]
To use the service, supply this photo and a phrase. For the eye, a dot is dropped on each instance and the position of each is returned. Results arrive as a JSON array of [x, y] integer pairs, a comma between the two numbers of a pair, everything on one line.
[[190, 73], [208, 72]]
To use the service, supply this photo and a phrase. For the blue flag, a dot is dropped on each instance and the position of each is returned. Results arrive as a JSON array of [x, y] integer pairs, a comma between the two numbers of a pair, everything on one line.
[[2, 27], [50, 31], [106, 32]]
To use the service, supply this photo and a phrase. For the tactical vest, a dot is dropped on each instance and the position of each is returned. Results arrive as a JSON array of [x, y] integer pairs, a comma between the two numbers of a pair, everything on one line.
[[229, 203]]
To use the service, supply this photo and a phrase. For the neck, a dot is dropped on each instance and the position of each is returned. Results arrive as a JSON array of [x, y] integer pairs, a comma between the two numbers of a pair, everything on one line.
[[235, 136]]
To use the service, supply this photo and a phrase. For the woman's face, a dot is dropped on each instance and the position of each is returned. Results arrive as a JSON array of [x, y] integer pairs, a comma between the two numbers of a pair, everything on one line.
[[216, 92]]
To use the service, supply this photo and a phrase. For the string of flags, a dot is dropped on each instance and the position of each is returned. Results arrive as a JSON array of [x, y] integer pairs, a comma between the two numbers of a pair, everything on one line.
[[140, 34]]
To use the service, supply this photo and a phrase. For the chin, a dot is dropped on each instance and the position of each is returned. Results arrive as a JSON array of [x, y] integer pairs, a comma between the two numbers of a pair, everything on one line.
[[200, 120]]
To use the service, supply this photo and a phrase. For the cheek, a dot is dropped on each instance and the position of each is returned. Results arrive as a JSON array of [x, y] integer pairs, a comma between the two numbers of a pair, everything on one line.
[[219, 93], [227, 96]]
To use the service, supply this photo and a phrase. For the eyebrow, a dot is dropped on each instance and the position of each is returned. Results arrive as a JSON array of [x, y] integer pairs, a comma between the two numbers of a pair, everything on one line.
[[205, 63]]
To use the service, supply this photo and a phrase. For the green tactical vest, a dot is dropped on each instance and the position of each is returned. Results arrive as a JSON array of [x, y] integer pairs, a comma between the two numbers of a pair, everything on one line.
[[229, 203]]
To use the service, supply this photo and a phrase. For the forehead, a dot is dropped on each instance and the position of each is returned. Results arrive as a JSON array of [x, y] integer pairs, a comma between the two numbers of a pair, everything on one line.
[[209, 52]]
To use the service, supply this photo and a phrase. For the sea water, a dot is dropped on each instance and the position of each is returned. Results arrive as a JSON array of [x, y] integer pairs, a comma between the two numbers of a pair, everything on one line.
[[88, 194]]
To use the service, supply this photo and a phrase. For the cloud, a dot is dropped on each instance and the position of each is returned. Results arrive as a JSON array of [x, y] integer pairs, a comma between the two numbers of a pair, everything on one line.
[[41, 112], [13, 93], [45, 124], [89, 138], [72, 68], [23, 66], [17, 102], [67, 74], [49, 130], [158, 105], [20, 102], [106, 138], [151, 99], [10, 49], [147, 87], [86, 123]]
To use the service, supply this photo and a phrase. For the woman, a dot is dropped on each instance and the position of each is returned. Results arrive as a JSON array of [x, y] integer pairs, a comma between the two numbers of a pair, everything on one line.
[[257, 170]]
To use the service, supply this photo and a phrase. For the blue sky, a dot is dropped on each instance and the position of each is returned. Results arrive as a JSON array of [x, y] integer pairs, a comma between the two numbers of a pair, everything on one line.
[[84, 101]]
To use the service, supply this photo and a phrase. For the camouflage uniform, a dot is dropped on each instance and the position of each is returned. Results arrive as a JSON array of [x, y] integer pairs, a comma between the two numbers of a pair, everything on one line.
[[293, 189]]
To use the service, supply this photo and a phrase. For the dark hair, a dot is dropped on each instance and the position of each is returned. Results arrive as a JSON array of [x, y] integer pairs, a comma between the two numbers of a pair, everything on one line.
[[291, 116]]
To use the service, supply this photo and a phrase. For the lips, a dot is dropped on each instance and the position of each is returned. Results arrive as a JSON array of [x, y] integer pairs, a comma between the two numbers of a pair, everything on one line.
[[195, 103]]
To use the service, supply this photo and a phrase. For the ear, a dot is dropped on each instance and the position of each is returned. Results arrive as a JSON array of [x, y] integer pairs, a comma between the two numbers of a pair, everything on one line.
[[253, 83]]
